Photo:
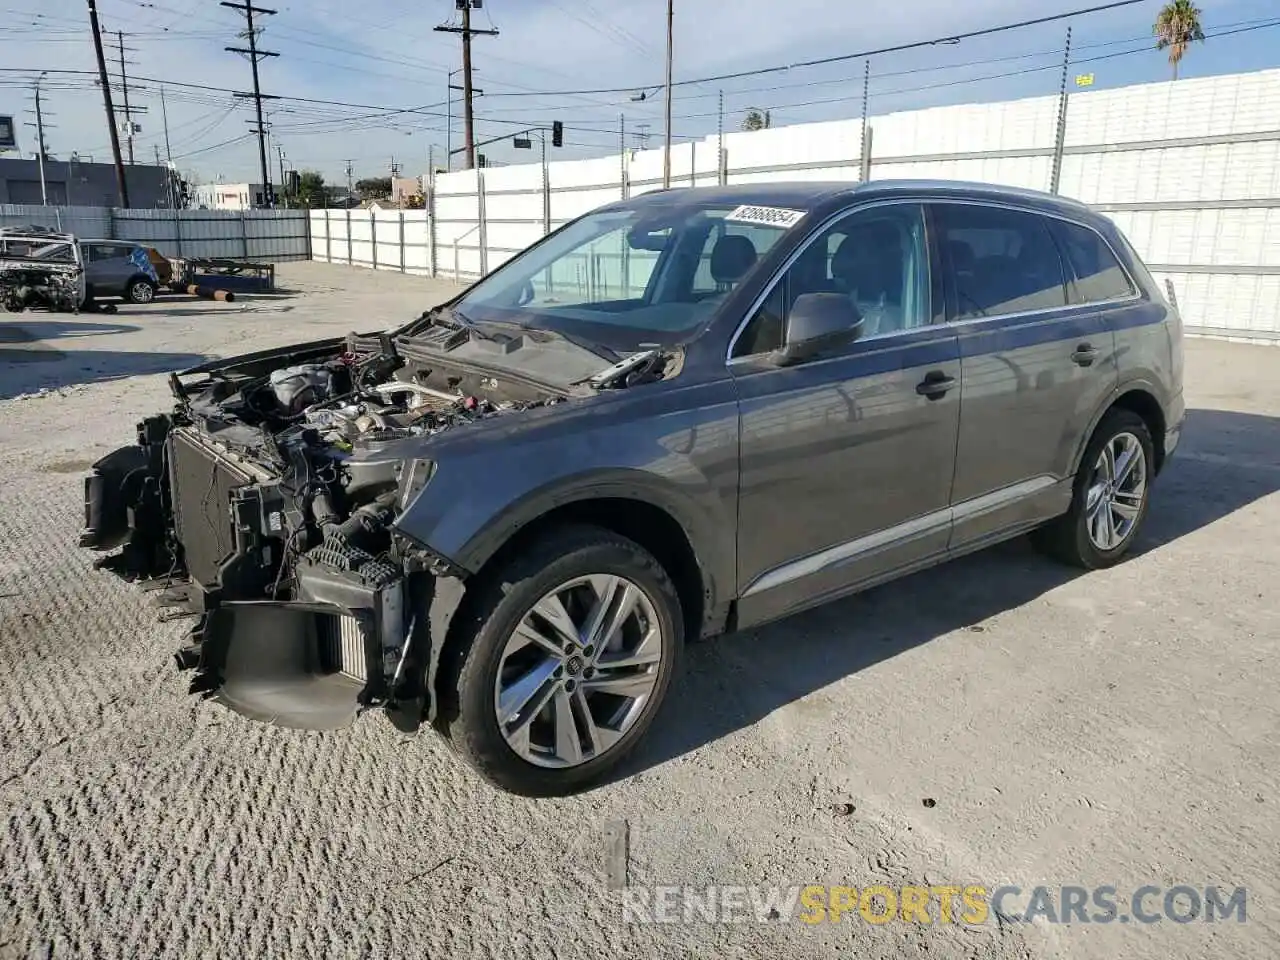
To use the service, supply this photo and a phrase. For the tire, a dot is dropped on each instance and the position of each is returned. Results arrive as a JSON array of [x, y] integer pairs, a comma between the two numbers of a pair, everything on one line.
[[1074, 537], [140, 291], [479, 667]]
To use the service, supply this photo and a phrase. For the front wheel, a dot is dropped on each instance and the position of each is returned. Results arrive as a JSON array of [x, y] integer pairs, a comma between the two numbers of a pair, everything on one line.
[[562, 662], [1110, 498], [141, 291]]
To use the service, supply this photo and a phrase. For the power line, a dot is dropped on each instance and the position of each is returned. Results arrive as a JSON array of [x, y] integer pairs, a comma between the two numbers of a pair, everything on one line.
[[879, 51], [194, 91]]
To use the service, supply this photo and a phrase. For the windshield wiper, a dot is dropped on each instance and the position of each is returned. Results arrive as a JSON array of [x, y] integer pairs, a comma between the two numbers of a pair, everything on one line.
[[595, 349]]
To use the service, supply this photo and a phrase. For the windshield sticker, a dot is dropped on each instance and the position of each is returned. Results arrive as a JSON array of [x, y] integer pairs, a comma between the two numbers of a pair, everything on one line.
[[772, 216]]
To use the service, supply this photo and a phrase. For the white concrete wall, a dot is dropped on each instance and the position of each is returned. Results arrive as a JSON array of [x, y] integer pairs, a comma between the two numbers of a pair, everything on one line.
[[1189, 169], [397, 240]]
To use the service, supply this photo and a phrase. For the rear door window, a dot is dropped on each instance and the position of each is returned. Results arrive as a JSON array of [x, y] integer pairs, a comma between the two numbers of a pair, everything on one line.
[[1098, 274], [1000, 261]]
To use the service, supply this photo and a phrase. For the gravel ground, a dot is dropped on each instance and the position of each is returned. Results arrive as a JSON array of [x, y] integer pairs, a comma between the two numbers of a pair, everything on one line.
[[1114, 728]]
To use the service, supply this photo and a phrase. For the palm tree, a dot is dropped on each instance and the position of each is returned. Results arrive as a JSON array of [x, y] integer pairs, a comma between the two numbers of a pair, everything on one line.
[[1177, 26]]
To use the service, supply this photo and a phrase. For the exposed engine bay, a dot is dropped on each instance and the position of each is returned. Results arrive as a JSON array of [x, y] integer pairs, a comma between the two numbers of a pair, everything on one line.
[[264, 506], [54, 287], [40, 268]]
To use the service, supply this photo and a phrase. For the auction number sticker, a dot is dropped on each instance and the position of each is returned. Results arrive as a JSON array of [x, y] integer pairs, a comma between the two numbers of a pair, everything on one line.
[[772, 216]]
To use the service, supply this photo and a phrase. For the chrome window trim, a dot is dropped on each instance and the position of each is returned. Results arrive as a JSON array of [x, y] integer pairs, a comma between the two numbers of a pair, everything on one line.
[[795, 255], [1054, 215], [731, 360], [926, 523]]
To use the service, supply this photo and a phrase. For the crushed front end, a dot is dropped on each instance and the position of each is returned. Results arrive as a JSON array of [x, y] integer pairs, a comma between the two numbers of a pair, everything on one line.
[[264, 508]]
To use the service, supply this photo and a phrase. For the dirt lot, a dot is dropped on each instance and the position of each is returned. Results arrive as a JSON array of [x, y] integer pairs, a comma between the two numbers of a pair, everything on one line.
[[1120, 728]]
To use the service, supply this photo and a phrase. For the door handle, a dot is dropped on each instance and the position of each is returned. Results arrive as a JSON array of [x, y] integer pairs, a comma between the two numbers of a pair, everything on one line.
[[1084, 354], [935, 385]]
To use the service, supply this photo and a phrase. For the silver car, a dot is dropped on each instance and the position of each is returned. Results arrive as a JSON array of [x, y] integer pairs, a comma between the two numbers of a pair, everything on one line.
[[119, 268]]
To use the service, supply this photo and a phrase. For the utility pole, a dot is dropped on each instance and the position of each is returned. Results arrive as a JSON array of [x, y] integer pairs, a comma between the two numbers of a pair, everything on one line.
[[350, 188], [283, 185], [254, 55], [666, 150], [174, 193], [121, 186], [124, 87], [467, 93], [41, 147]]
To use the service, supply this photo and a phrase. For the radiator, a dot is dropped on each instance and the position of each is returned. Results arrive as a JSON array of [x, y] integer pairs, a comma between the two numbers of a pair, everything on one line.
[[201, 482]]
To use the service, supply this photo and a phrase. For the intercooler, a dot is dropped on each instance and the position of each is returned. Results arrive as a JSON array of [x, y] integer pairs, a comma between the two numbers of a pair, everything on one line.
[[202, 483], [345, 645]]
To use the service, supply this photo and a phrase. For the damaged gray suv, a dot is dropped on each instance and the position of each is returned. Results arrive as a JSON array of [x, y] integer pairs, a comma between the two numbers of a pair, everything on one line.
[[686, 413]]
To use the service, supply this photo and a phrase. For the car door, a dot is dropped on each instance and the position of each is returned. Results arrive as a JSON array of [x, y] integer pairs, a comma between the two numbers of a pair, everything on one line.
[[96, 268], [1035, 364], [121, 266], [846, 459]]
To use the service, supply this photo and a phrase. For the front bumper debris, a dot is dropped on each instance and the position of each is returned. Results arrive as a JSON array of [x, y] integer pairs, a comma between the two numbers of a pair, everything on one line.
[[204, 533]]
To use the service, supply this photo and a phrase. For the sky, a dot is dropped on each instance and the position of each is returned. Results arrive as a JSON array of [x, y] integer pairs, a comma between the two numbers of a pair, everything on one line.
[[379, 56]]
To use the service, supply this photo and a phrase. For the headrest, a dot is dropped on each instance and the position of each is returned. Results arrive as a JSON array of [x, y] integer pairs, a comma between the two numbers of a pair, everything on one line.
[[731, 258], [962, 257]]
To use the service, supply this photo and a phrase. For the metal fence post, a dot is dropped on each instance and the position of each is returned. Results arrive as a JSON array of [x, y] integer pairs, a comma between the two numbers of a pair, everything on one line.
[[111, 224], [244, 234], [328, 242], [484, 228], [866, 154], [373, 237], [177, 229], [350, 259], [431, 224], [1060, 138], [402, 241], [546, 189]]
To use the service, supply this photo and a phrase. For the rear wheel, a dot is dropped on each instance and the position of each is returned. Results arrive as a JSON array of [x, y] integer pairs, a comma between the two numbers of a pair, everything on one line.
[[1110, 497], [562, 662], [141, 291]]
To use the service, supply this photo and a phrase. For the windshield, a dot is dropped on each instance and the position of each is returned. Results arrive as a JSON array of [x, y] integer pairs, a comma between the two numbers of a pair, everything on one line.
[[653, 275], [37, 248]]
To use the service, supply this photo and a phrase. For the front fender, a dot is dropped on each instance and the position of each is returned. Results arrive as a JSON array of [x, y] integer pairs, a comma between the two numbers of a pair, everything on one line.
[[678, 453]]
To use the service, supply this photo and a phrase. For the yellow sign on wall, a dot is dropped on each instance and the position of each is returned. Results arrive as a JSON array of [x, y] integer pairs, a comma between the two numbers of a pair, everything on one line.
[[1084, 80]]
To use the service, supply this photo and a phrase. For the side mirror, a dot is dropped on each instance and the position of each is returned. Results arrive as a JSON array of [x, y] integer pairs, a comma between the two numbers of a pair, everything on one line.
[[818, 322]]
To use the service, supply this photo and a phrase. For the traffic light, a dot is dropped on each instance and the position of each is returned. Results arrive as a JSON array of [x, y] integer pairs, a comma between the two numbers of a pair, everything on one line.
[[557, 134]]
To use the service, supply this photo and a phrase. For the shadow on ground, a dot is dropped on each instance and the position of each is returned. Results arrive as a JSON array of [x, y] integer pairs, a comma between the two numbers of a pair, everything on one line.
[[34, 327], [1227, 461], [30, 365]]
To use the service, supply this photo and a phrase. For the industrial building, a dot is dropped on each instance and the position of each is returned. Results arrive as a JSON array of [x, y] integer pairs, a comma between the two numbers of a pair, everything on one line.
[[81, 183], [227, 196]]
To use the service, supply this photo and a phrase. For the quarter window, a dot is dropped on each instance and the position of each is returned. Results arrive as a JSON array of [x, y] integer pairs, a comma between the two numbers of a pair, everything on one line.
[[876, 257], [1098, 274], [1001, 261]]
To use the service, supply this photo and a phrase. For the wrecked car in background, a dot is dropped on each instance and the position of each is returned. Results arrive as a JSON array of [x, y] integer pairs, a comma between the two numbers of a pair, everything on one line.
[[40, 268], [685, 413]]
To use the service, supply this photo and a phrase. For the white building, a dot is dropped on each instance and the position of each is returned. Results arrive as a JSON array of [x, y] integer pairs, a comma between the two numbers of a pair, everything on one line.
[[227, 196]]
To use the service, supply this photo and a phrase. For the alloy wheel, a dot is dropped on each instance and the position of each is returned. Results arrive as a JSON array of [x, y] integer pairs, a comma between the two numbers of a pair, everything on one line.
[[578, 671], [143, 293], [1116, 492]]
